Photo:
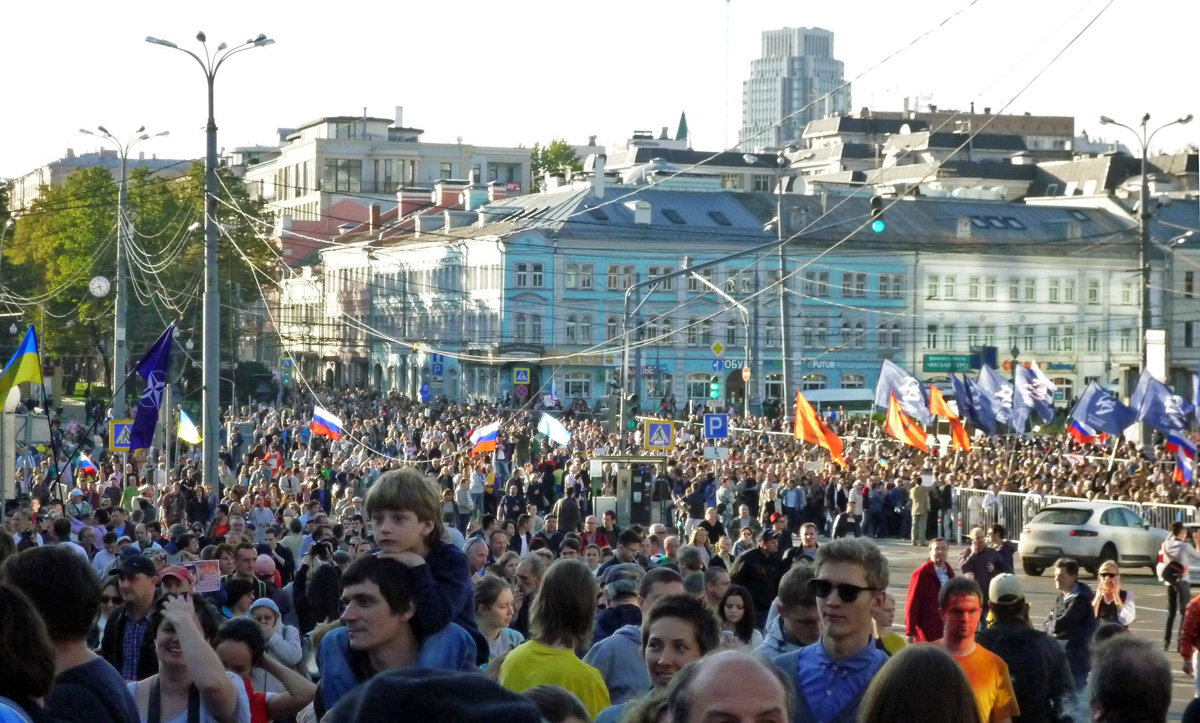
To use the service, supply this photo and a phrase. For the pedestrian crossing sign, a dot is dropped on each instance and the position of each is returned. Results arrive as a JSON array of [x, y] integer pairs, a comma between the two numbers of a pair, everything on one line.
[[120, 432], [659, 434], [521, 375]]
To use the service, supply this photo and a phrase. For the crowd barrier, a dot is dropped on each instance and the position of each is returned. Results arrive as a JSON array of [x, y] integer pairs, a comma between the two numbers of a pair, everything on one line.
[[975, 508]]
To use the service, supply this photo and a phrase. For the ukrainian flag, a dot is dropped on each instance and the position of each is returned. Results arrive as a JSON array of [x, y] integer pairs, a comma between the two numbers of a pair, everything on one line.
[[25, 366]]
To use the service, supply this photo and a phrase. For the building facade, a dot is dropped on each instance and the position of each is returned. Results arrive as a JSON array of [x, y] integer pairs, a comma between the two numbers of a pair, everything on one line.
[[25, 189]]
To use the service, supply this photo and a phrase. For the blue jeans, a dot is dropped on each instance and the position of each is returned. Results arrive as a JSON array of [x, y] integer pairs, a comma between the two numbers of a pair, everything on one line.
[[477, 498]]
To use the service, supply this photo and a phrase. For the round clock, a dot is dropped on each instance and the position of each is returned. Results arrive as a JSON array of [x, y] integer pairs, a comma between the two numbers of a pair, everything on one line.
[[98, 286]]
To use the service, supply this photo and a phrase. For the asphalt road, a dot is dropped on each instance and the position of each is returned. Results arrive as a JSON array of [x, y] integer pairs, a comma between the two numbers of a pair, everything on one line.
[[1149, 595]]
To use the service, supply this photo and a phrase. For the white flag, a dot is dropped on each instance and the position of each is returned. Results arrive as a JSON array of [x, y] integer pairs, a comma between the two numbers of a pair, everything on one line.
[[554, 429]]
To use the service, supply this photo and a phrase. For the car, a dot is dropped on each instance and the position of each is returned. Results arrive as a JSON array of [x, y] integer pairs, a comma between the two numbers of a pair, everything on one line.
[[1090, 532]]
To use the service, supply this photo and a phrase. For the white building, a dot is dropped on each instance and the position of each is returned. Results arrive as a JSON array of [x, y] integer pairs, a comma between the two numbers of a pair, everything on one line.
[[25, 189]]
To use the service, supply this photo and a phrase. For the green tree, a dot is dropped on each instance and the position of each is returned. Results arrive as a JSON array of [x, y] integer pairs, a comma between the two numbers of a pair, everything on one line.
[[557, 156]]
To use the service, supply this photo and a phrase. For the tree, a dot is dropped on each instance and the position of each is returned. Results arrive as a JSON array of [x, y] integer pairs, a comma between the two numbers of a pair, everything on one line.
[[557, 156]]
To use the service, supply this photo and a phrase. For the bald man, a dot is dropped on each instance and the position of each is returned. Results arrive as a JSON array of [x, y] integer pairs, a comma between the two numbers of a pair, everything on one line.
[[701, 691]]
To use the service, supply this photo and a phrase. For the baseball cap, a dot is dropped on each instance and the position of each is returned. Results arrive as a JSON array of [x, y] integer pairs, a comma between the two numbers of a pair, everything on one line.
[[180, 573], [137, 565], [1005, 588], [432, 695], [775, 517], [624, 571], [768, 534], [77, 492]]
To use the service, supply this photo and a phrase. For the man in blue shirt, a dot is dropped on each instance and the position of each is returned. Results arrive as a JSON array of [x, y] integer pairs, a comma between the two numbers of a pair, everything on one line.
[[831, 676]]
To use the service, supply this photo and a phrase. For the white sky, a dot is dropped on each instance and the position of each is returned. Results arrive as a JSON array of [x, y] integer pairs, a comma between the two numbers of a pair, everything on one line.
[[508, 73]]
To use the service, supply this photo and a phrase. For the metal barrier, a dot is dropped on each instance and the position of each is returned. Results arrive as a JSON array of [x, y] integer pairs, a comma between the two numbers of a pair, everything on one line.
[[1162, 515]]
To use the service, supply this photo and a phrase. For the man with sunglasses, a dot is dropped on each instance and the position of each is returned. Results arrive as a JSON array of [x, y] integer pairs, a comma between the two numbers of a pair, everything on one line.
[[830, 676]]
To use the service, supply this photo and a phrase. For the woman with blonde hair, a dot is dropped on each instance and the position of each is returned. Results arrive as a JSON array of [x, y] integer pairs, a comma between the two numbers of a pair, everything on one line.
[[1112, 604], [920, 684]]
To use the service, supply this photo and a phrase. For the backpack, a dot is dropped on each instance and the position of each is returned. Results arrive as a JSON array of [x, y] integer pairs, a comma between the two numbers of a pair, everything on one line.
[[1170, 571]]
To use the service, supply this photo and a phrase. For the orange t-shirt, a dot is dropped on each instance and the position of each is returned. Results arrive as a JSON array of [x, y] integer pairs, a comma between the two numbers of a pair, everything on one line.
[[991, 684]]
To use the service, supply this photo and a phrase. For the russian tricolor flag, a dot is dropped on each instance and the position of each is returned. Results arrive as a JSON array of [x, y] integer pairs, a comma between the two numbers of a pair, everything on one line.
[[87, 466], [1185, 456], [484, 438], [1081, 432], [326, 424]]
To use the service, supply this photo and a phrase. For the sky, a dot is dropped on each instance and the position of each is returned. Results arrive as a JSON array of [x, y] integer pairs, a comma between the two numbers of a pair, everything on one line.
[[523, 71]]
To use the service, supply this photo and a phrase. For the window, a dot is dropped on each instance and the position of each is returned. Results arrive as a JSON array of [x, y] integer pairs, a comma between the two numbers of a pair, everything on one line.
[[620, 277], [1093, 339], [342, 174], [890, 286], [847, 334], [719, 218], [535, 328], [447, 170], [1014, 336], [807, 337], [1189, 284], [770, 333], [814, 382], [731, 180], [1068, 291], [989, 288], [1188, 334], [989, 335], [760, 182], [931, 336], [345, 131], [896, 335], [949, 287], [578, 384], [972, 336], [1014, 290], [1029, 338], [973, 288], [932, 286], [1068, 338], [860, 335], [948, 337], [773, 285], [1093, 291], [697, 386], [693, 332], [1052, 339], [1053, 290], [731, 333], [853, 381], [668, 331], [816, 283], [746, 280], [655, 272], [694, 284], [774, 387], [1030, 291], [706, 332], [585, 329], [658, 384], [822, 335], [579, 276], [519, 327], [854, 284], [611, 328], [529, 275], [1126, 341], [673, 216], [1127, 293]]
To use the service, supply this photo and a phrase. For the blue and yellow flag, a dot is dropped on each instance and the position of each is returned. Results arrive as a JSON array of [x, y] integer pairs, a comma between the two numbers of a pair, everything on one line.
[[25, 365]]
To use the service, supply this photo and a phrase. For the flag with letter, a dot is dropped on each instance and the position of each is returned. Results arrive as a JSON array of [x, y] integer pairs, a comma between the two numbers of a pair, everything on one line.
[[1032, 392], [812, 430], [1000, 393], [153, 368], [187, 429], [904, 429], [25, 365], [939, 408], [1163, 409], [980, 405], [909, 393], [1099, 410]]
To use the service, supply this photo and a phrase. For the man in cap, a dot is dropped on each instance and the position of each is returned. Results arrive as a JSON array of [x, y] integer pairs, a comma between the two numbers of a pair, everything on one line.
[[1040, 674], [176, 580], [128, 643], [759, 570], [621, 584]]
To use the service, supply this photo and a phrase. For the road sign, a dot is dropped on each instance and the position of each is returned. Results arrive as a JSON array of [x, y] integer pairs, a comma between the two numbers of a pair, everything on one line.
[[947, 363], [716, 365], [520, 375], [718, 348], [745, 374], [119, 433], [437, 368], [716, 426], [659, 435], [522, 390], [727, 364]]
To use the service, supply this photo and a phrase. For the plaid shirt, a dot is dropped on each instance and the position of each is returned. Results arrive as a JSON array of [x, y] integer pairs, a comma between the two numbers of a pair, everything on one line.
[[131, 644]]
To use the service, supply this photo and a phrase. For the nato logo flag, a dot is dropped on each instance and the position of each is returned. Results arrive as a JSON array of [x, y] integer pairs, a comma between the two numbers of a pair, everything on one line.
[[1165, 411], [911, 395], [153, 368], [983, 408], [1102, 412], [1001, 393], [1033, 393]]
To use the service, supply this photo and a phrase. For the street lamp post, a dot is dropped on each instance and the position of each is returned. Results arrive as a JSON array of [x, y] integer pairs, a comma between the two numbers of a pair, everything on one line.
[[119, 305], [210, 353]]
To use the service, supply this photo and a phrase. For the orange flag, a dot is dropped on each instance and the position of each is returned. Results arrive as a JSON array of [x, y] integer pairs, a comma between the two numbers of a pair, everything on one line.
[[958, 433], [904, 429], [812, 430]]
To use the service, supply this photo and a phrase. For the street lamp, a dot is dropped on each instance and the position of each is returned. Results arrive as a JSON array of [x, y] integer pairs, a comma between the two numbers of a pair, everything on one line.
[[119, 351], [210, 356]]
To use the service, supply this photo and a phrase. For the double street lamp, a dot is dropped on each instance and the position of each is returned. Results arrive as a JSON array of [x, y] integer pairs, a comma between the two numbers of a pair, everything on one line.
[[119, 350], [210, 353]]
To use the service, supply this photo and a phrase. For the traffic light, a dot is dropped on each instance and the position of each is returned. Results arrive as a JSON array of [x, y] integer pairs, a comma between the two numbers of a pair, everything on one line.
[[877, 222], [714, 388], [285, 371]]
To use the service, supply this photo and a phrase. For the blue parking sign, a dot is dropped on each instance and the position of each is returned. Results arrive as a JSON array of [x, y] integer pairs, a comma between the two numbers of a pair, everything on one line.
[[716, 426]]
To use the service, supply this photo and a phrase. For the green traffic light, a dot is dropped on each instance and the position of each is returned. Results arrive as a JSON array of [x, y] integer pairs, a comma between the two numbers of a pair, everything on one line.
[[878, 225]]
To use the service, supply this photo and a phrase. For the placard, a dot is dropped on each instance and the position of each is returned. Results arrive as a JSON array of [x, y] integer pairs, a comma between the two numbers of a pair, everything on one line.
[[206, 575]]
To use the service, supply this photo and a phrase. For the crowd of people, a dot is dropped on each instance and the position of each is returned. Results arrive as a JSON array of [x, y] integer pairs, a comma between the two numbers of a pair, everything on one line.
[[404, 569]]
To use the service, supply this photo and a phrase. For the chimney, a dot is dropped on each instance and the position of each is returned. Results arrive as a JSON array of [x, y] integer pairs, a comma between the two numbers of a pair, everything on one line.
[[598, 175], [641, 212], [987, 110], [496, 191], [373, 217], [663, 137], [410, 199], [141, 155], [446, 193], [964, 227], [473, 196], [591, 140], [399, 116], [70, 153]]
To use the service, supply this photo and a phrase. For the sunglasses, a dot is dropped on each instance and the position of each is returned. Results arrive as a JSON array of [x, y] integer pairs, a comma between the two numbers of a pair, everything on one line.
[[114, 599], [846, 591], [1108, 574]]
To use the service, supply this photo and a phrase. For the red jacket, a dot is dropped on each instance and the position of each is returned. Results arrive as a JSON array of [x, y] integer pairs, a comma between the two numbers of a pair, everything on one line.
[[1189, 637], [921, 615]]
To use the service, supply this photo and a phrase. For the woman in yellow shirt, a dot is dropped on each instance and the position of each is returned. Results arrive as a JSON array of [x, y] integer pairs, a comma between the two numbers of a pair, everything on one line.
[[561, 621]]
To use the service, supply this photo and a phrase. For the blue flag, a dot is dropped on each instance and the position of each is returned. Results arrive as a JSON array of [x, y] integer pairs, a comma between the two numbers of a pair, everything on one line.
[[153, 368], [1001, 394], [1031, 394], [1102, 412], [983, 408], [425, 392], [1139, 391], [911, 395], [1165, 411]]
